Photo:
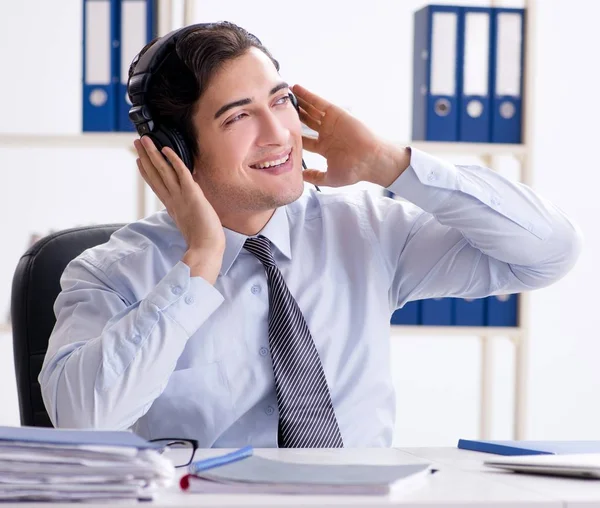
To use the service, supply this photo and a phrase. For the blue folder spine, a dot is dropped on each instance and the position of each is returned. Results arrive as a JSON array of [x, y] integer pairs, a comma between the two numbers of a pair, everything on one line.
[[435, 112], [144, 29], [502, 310], [437, 311], [469, 312], [507, 105], [410, 314], [100, 65], [474, 104]]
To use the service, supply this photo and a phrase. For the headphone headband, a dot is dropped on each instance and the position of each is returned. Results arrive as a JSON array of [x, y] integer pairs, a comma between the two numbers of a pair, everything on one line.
[[145, 67]]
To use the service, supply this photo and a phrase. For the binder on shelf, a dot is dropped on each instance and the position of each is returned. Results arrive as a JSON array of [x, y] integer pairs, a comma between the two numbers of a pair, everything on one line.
[[507, 54], [137, 28], [435, 73], [469, 312], [100, 65], [437, 311], [474, 91], [410, 314], [501, 310]]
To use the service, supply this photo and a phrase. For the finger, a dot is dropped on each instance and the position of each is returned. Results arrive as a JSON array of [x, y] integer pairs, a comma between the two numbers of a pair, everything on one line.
[[309, 121], [150, 182], [164, 169], [152, 177], [314, 176], [310, 109], [310, 144], [318, 102], [183, 173]]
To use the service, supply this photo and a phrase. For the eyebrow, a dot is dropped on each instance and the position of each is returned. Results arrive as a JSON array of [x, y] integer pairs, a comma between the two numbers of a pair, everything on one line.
[[243, 102]]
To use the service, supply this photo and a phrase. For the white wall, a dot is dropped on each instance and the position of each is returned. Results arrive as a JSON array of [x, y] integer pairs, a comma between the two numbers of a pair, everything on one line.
[[359, 55]]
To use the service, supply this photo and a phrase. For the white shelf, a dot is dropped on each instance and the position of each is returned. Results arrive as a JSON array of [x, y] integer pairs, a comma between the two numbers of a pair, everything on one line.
[[440, 147], [463, 331], [83, 140], [125, 140]]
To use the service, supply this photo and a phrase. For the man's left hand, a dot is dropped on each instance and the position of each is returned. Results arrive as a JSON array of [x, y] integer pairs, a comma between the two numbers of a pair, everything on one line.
[[353, 152]]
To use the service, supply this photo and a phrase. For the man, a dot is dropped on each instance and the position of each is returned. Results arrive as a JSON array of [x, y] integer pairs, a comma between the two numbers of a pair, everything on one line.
[[249, 312]]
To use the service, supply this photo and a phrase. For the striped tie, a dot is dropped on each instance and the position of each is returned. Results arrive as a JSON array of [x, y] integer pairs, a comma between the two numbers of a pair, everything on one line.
[[306, 416]]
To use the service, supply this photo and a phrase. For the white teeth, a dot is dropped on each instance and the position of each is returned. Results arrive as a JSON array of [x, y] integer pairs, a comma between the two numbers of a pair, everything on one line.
[[272, 163]]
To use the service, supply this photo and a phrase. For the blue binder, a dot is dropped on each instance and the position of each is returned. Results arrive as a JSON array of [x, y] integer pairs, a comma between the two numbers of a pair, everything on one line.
[[507, 54], [530, 447], [435, 73], [469, 312], [502, 310], [437, 311], [474, 90], [100, 65], [410, 314], [137, 28]]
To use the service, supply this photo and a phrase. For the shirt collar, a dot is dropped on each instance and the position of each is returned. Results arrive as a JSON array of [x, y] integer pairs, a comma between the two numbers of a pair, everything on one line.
[[277, 230]]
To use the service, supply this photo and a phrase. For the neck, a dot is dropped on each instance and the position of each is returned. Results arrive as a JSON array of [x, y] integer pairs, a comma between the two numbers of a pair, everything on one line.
[[248, 224]]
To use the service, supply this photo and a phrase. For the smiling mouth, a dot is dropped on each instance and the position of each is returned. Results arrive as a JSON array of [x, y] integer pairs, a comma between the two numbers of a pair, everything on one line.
[[274, 163]]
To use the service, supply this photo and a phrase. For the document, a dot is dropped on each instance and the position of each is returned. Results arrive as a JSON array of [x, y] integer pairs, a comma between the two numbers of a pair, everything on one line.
[[38, 464], [256, 474]]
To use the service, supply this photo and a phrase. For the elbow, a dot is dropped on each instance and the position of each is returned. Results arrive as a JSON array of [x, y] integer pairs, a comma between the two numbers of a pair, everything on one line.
[[72, 400], [565, 249]]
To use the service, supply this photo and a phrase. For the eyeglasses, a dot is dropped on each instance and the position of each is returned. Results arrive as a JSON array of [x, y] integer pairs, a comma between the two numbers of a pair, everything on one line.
[[179, 451]]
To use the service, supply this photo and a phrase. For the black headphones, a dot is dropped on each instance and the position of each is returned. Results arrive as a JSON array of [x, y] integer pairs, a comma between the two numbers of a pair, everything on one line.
[[138, 85]]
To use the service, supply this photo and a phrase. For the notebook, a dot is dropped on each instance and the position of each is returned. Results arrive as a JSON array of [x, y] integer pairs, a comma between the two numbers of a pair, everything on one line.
[[578, 465], [530, 447], [256, 474]]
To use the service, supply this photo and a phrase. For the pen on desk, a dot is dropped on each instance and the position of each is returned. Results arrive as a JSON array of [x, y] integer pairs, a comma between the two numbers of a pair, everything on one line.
[[221, 460]]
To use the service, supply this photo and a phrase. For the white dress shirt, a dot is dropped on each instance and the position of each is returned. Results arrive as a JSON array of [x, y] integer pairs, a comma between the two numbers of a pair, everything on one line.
[[140, 344]]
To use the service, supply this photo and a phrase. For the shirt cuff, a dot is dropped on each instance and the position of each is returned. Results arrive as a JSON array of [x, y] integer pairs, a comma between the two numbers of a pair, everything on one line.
[[188, 301], [427, 182]]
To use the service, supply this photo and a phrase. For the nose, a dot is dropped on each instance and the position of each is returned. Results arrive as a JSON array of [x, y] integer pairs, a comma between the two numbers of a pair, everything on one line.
[[272, 130]]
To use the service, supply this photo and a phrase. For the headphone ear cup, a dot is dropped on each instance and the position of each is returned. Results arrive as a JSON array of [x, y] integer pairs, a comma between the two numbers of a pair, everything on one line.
[[294, 102], [174, 140], [182, 149]]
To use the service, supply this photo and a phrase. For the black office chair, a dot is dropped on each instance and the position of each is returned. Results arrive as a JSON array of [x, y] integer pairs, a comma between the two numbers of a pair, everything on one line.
[[35, 287]]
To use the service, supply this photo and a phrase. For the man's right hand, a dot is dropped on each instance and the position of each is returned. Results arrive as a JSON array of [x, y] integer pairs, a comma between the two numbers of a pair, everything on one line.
[[187, 205]]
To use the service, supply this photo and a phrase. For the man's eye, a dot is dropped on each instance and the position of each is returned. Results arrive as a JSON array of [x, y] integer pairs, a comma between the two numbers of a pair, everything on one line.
[[283, 99], [235, 118]]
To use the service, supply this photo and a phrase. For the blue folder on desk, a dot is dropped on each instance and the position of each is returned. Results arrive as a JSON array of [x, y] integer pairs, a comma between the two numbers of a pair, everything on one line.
[[530, 447]]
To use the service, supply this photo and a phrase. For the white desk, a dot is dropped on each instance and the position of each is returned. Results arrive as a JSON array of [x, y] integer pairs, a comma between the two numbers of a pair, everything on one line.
[[461, 481]]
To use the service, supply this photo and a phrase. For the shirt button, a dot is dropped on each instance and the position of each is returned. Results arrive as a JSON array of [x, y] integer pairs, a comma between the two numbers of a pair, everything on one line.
[[263, 351], [495, 201], [176, 290], [136, 339], [431, 176], [189, 299], [255, 289], [269, 410]]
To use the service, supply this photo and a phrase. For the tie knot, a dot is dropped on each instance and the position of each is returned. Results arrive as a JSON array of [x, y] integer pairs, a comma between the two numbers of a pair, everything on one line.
[[261, 248]]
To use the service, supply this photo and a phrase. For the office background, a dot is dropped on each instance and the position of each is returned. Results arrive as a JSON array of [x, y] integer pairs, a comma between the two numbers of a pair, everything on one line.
[[359, 55]]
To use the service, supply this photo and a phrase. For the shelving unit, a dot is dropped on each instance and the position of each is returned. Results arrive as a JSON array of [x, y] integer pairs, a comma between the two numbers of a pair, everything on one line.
[[519, 336]]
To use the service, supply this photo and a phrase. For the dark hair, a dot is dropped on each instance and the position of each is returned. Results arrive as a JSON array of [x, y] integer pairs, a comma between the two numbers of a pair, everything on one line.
[[185, 74]]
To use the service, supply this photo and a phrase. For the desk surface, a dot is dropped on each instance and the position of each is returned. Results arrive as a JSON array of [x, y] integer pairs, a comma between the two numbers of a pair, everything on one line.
[[462, 481]]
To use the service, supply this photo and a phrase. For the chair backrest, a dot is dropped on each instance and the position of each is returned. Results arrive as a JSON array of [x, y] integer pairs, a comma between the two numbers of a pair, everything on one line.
[[35, 287]]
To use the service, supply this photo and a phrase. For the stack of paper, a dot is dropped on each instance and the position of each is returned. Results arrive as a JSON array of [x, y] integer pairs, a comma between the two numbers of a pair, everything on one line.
[[39, 464]]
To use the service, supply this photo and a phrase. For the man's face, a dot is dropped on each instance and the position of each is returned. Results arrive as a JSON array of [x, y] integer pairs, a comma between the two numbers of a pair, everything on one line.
[[263, 126]]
